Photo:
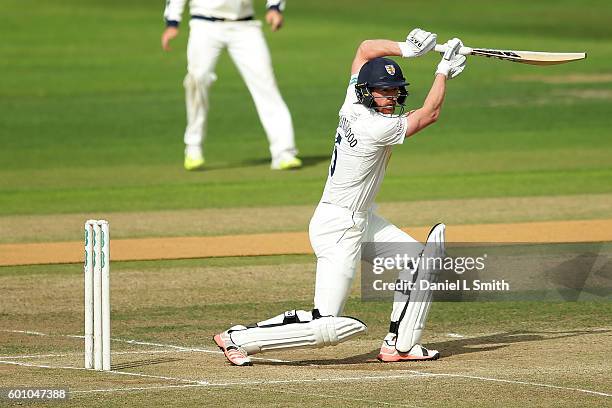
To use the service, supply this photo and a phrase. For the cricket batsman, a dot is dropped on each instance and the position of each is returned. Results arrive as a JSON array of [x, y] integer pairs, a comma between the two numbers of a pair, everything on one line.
[[372, 121]]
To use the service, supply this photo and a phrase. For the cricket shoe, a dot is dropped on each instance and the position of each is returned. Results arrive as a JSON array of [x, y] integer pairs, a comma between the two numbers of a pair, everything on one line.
[[389, 354], [286, 163], [234, 354], [194, 161]]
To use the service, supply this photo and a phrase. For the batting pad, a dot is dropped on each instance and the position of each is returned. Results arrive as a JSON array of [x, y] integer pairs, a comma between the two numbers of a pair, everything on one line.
[[296, 329], [410, 310]]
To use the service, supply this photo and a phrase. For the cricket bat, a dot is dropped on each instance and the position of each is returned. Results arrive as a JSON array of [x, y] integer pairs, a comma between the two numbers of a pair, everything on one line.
[[524, 57]]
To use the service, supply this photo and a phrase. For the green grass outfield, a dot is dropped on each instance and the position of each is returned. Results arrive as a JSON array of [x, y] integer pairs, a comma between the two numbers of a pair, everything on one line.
[[92, 111]]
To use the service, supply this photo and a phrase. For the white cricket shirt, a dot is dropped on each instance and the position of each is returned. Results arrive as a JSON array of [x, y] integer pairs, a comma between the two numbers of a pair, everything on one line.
[[362, 148], [228, 9]]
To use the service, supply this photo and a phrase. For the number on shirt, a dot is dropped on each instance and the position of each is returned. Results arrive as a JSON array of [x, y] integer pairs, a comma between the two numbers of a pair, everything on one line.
[[332, 168]]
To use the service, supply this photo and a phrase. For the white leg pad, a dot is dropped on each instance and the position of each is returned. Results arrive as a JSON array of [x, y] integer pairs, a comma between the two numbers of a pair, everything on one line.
[[410, 312], [324, 331]]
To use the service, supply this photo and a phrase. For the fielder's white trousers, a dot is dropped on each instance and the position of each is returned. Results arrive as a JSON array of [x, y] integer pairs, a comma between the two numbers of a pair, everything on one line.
[[336, 234], [247, 47]]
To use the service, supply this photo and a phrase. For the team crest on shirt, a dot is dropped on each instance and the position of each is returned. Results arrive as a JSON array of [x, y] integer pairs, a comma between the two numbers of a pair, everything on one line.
[[390, 69]]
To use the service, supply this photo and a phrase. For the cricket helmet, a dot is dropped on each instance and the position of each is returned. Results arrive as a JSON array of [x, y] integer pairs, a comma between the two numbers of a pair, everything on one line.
[[382, 73]]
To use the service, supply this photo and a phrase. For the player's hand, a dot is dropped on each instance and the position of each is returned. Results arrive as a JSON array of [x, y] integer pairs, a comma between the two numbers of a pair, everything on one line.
[[452, 48], [275, 19], [169, 34], [452, 64], [457, 66], [420, 42]]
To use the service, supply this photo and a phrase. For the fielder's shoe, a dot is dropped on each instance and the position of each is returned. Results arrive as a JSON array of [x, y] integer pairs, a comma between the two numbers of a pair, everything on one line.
[[194, 161], [286, 163], [234, 354], [388, 353]]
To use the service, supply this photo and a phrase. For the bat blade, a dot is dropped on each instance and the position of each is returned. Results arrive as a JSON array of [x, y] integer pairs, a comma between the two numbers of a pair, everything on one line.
[[523, 57], [530, 57]]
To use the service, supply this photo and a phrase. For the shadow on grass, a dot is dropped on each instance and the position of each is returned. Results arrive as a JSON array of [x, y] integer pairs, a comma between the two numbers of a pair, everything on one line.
[[307, 161], [501, 340], [454, 347], [140, 363]]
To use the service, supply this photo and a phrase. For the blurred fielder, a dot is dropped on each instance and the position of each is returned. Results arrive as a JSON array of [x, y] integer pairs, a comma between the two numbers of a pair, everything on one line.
[[219, 24], [371, 123]]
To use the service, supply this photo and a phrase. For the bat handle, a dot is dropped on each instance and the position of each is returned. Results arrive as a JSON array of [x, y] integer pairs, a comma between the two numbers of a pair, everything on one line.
[[462, 50]]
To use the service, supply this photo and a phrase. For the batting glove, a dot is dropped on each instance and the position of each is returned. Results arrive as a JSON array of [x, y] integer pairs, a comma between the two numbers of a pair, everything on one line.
[[452, 64], [418, 42]]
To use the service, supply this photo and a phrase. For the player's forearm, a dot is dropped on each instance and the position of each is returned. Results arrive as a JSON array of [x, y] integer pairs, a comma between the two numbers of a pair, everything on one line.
[[370, 49], [433, 102], [418, 42], [429, 112]]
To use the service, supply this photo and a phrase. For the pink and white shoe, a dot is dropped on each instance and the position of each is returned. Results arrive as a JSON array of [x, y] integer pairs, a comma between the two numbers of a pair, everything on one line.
[[388, 353], [234, 354]]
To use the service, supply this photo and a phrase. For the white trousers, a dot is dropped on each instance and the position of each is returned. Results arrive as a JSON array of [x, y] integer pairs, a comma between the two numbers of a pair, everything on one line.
[[336, 235], [247, 47]]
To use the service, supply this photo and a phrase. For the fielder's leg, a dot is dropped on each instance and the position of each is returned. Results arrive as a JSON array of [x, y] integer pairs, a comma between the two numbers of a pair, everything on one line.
[[203, 49], [250, 53]]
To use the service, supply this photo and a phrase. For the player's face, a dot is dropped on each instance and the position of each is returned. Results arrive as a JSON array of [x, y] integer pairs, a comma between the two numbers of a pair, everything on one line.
[[385, 99]]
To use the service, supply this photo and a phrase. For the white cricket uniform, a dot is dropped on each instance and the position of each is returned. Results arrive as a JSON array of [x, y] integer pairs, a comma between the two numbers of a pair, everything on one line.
[[344, 219], [345, 216], [247, 47]]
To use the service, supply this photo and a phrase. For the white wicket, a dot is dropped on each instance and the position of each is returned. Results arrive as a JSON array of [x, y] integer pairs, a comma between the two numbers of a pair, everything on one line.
[[97, 295]]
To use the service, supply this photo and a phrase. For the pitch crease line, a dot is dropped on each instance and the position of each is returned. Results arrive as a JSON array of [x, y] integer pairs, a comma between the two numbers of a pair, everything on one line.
[[141, 343], [80, 354], [160, 377], [249, 383], [475, 377], [194, 349], [33, 333]]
